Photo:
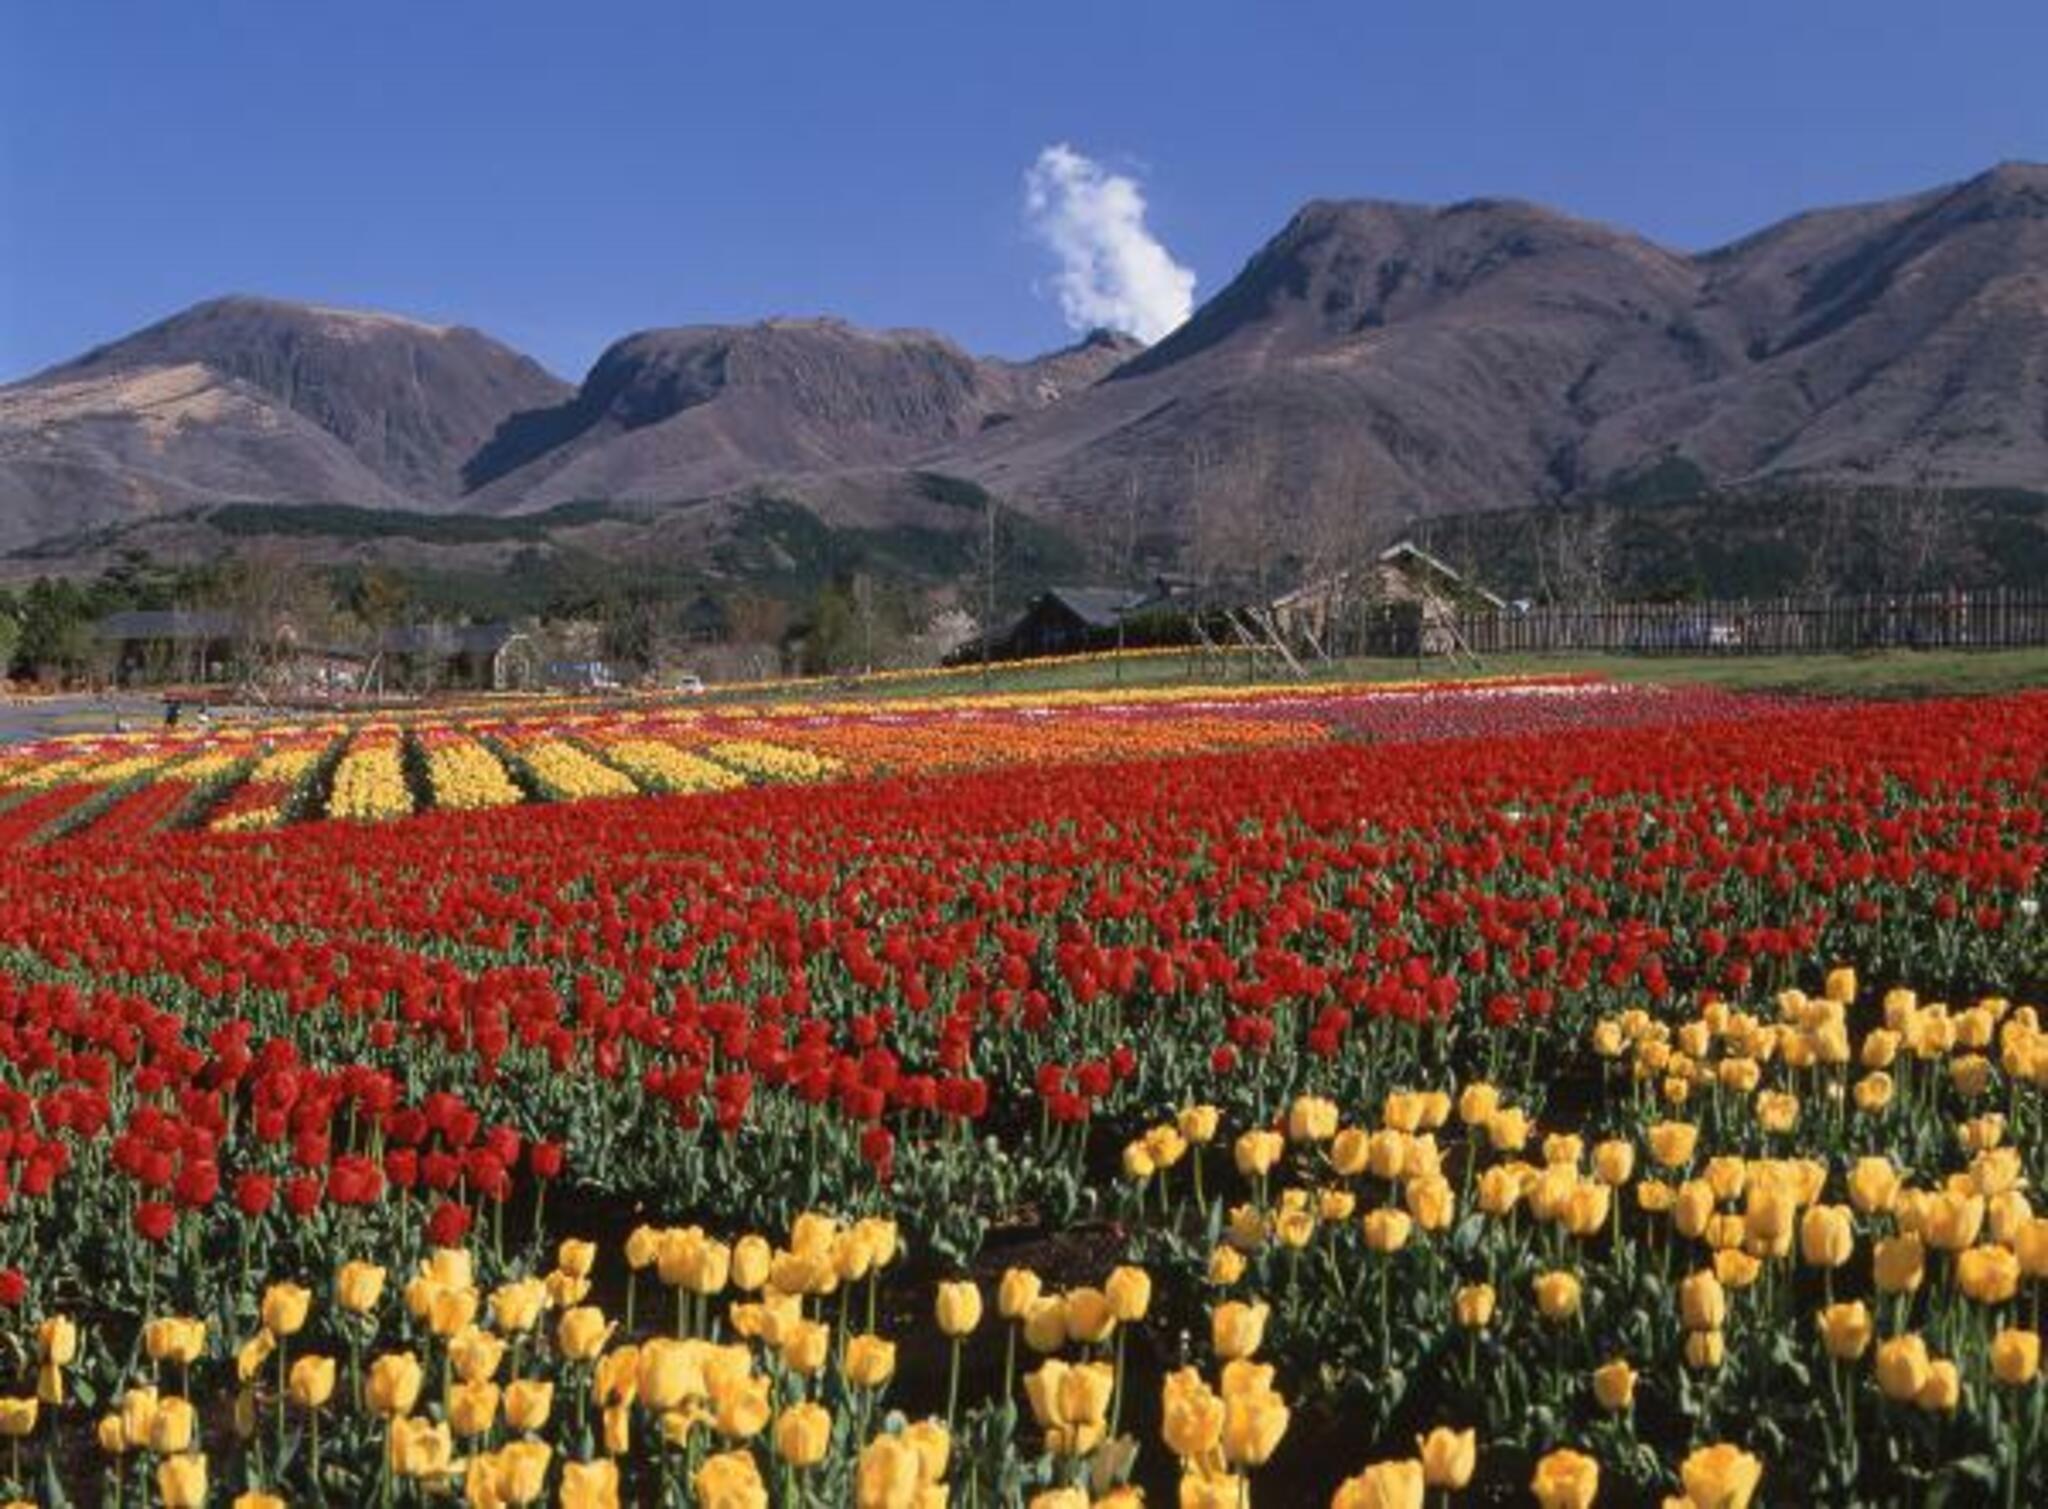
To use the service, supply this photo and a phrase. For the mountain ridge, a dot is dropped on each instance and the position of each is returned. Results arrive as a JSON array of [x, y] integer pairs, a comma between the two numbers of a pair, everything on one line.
[[1372, 361]]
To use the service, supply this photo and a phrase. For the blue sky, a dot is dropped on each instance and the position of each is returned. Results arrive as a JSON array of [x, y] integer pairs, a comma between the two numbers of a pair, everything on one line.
[[562, 174]]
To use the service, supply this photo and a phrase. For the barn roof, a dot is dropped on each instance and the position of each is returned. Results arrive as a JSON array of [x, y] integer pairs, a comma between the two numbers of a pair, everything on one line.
[[1098, 607]]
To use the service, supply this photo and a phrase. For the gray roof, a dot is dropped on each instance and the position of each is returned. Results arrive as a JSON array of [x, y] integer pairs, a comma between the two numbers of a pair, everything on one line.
[[1099, 607], [171, 624]]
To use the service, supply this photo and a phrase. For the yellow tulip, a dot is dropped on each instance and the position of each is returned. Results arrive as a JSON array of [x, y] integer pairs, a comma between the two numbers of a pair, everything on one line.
[[393, 1386], [1128, 1290], [1384, 1485], [1614, 1385], [472, 1408], [959, 1308], [475, 1354], [1702, 1302], [2016, 1357], [1693, 1209], [2030, 1242], [175, 1339], [527, 1403], [1257, 1151], [1672, 1143], [1705, 1349], [522, 1473], [1191, 1414], [889, 1474], [1198, 1123], [284, 1309], [1557, 1295], [1953, 1221], [172, 1426], [751, 1259], [805, 1344], [181, 1481], [581, 1333], [419, 1448], [1614, 1162], [516, 1306], [1236, 1329], [1045, 1325], [1087, 1315], [450, 1310], [1566, 1479], [358, 1286], [1448, 1457], [1720, 1477], [934, 1448], [741, 1407], [1507, 1130], [870, 1361], [802, 1434], [1988, 1275], [1898, 1264], [57, 1340], [18, 1417], [311, 1381], [1017, 1293], [1846, 1329], [590, 1485], [1347, 1152], [1827, 1236], [669, 1371], [1477, 1103], [1311, 1118], [576, 1258], [1903, 1367], [730, 1480], [1387, 1229], [1473, 1306], [1943, 1390], [138, 1409], [1873, 1185], [1254, 1420]]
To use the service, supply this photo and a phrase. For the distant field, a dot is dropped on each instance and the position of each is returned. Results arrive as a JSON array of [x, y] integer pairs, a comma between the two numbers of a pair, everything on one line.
[[1891, 674]]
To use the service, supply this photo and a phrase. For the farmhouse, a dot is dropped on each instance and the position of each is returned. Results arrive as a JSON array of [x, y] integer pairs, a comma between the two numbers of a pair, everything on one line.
[[483, 657], [1405, 602], [167, 645]]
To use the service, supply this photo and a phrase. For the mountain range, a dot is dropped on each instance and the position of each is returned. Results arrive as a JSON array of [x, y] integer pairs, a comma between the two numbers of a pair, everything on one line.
[[1372, 362]]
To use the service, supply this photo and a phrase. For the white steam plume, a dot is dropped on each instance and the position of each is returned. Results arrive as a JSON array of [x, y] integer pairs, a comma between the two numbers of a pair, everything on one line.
[[1113, 271]]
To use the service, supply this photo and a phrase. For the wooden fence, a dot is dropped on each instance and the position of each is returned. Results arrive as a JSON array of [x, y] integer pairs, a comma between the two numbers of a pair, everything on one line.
[[1994, 618]]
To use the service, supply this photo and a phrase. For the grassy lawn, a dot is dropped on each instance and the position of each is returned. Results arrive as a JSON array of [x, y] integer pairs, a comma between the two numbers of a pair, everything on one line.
[[1891, 673]]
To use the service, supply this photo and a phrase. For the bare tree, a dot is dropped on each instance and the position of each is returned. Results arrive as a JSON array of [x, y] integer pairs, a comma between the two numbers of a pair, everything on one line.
[[1923, 536], [1827, 516], [275, 607], [1582, 561]]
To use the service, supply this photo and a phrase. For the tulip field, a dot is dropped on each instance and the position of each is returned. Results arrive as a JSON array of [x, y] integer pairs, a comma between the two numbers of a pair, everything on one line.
[[1542, 1092]]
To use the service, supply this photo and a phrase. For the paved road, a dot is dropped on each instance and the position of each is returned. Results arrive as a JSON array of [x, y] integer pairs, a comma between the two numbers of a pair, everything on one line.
[[81, 713]]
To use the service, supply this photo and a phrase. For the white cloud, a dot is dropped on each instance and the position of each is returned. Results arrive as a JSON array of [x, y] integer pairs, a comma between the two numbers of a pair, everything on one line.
[[1113, 271]]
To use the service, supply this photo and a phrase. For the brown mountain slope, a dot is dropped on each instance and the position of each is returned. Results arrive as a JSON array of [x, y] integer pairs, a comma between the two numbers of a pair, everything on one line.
[[1385, 360], [259, 399], [412, 400], [80, 453], [671, 414]]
